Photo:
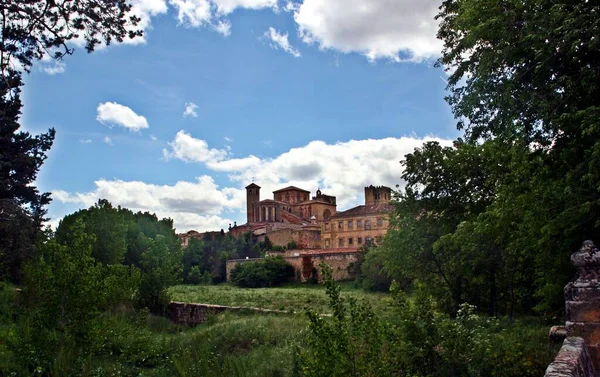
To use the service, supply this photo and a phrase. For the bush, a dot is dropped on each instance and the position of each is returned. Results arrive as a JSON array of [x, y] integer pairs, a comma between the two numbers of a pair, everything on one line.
[[198, 277], [160, 270], [268, 272], [419, 341]]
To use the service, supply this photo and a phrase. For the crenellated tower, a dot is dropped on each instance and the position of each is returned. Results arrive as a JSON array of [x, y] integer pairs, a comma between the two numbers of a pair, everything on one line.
[[377, 195]]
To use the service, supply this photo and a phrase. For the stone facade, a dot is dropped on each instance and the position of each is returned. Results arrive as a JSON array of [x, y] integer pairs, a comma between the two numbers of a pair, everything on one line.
[[360, 225], [289, 205], [580, 353]]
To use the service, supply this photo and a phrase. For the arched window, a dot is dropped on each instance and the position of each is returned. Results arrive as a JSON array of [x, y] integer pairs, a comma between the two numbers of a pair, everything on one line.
[[326, 214], [287, 198]]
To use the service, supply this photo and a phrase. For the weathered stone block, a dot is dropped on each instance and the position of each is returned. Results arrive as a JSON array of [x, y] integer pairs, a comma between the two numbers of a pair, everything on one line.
[[582, 291], [583, 311], [572, 360], [590, 332]]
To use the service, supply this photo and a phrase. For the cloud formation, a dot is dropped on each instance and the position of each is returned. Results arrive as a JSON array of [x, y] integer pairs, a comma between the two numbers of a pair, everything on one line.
[[114, 114], [108, 140], [57, 68], [190, 110], [212, 13], [400, 30], [342, 169], [280, 41], [181, 201]]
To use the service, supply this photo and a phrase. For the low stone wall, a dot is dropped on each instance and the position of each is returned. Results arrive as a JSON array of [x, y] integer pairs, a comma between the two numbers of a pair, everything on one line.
[[195, 314], [573, 360], [580, 353]]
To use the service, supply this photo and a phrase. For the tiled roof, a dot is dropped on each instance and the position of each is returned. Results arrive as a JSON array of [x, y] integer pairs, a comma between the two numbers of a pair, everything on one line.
[[290, 188], [252, 185], [272, 201], [371, 209]]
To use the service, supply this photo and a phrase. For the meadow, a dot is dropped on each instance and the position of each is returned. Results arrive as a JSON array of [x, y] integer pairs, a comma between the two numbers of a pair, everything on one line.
[[293, 298], [136, 343]]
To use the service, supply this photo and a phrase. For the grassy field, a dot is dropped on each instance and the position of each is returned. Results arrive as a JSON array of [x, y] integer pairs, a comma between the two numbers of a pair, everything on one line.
[[292, 298]]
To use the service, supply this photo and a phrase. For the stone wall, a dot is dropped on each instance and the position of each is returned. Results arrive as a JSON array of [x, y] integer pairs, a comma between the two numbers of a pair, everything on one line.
[[305, 238], [573, 360], [580, 353], [194, 314], [306, 263]]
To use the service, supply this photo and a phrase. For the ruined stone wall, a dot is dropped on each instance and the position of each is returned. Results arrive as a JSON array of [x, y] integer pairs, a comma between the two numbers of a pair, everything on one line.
[[580, 353], [194, 314]]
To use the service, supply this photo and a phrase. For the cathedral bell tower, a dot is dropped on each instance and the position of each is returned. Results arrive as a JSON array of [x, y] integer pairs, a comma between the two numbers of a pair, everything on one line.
[[252, 198]]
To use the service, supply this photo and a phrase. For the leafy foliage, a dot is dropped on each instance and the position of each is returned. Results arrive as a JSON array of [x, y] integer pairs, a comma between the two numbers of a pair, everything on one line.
[[493, 219], [161, 269], [32, 30], [419, 342], [209, 255], [268, 272]]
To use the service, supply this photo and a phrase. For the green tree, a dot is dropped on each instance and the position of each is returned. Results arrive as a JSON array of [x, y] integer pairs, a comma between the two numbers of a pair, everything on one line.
[[525, 74], [161, 268], [108, 226], [62, 294], [21, 204], [30, 31], [268, 272]]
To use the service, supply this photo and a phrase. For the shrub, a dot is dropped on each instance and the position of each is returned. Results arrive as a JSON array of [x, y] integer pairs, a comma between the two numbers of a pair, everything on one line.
[[198, 277], [419, 341], [268, 272], [160, 270]]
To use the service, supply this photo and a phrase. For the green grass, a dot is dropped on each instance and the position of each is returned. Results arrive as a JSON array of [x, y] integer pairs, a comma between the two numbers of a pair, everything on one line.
[[291, 298]]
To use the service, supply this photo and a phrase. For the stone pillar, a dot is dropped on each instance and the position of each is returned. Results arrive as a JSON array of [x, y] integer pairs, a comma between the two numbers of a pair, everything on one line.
[[583, 300]]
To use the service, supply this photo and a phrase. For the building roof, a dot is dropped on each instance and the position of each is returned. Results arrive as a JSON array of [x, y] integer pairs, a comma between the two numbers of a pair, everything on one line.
[[344, 250], [252, 185], [291, 188], [371, 209], [272, 201]]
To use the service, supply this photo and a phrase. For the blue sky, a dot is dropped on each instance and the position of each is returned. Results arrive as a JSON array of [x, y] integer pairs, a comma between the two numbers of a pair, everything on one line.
[[323, 94]]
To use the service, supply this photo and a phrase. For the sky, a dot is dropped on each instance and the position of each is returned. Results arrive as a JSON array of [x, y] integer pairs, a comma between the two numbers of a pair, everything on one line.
[[320, 94]]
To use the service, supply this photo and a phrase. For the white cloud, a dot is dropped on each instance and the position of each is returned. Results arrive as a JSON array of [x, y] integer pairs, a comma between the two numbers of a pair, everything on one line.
[[194, 13], [85, 141], [223, 27], [342, 169], [57, 68], [290, 6], [280, 41], [212, 13], [181, 201], [190, 110], [189, 149], [145, 10], [108, 140], [112, 113], [153, 138], [228, 139], [228, 6], [379, 29]]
